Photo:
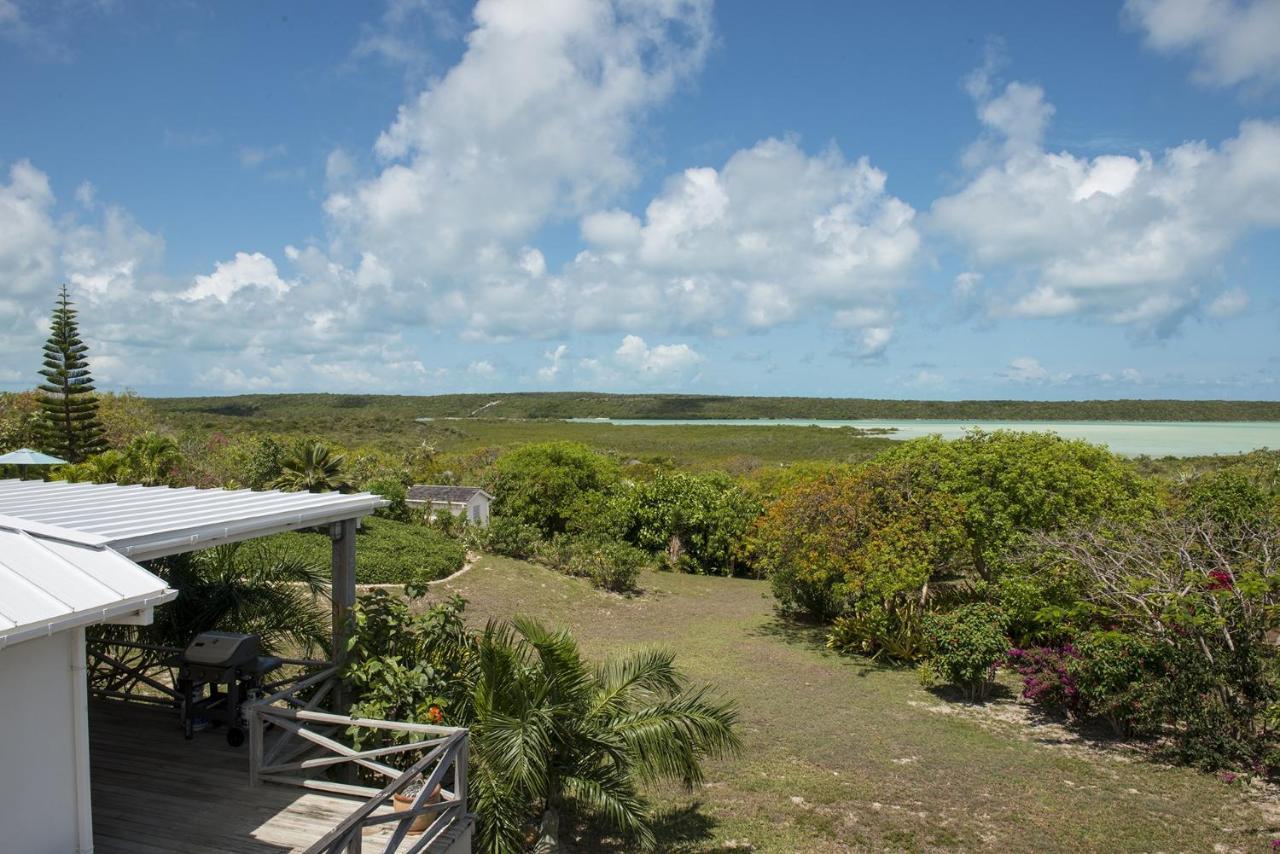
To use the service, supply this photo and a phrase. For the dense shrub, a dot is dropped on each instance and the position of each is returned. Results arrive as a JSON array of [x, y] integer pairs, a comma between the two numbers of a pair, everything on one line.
[[504, 536], [1120, 678], [389, 552], [1195, 602], [695, 522], [871, 543], [966, 646], [547, 485], [607, 563], [1011, 483], [1047, 680], [394, 491]]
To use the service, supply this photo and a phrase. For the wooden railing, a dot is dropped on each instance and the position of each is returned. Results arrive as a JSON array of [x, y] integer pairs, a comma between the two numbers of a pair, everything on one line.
[[292, 744], [134, 672], [148, 673]]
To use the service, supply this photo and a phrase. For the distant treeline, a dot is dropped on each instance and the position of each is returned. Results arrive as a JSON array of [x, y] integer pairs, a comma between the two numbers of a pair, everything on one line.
[[555, 405]]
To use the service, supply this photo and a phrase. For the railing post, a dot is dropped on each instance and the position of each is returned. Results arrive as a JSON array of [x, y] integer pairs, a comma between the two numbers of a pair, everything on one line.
[[460, 770], [256, 727]]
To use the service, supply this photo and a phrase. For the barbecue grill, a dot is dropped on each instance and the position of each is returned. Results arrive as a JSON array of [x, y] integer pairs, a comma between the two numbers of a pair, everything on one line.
[[217, 673]]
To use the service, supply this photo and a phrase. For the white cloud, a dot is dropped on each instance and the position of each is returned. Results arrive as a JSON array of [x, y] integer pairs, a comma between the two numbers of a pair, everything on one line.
[[252, 156], [244, 271], [28, 236], [534, 123], [85, 194], [482, 368], [555, 360], [1234, 41], [1128, 239], [662, 360], [773, 232], [1026, 369], [1229, 303]]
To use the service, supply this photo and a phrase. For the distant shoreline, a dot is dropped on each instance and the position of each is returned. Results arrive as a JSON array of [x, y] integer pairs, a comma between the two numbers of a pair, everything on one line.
[[570, 405]]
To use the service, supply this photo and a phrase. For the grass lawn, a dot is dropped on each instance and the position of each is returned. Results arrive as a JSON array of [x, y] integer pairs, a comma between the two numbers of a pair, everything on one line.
[[844, 755]]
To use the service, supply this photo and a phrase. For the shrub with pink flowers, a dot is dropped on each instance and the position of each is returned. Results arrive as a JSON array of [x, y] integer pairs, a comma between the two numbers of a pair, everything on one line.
[[1046, 678]]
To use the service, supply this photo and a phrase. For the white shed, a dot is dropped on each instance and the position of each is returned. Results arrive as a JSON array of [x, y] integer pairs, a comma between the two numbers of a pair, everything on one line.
[[470, 502], [53, 582]]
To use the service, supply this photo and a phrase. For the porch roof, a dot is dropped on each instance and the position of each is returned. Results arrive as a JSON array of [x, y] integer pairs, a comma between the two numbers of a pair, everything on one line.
[[145, 522], [53, 579]]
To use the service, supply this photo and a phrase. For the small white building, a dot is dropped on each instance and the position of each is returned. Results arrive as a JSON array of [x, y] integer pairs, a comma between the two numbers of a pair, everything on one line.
[[471, 502]]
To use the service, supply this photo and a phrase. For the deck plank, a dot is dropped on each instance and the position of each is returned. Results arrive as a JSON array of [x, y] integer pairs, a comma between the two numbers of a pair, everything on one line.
[[155, 791]]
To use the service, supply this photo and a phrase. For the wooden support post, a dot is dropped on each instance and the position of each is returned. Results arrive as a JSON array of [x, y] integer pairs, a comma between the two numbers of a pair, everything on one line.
[[343, 590]]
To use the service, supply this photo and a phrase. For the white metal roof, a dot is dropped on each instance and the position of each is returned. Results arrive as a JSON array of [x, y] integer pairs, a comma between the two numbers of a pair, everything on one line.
[[145, 522], [55, 579]]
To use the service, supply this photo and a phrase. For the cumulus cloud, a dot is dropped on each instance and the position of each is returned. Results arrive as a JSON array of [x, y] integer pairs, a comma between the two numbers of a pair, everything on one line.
[[1026, 369], [244, 271], [534, 123], [555, 362], [772, 233], [1129, 239], [1233, 41], [662, 360]]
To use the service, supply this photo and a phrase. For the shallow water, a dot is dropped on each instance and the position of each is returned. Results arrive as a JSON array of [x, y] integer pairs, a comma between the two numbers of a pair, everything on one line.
[[1131, 438]]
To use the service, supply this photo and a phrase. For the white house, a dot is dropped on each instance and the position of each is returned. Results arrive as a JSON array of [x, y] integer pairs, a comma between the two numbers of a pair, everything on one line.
[[67, 561], [469, 501], [53, 582]]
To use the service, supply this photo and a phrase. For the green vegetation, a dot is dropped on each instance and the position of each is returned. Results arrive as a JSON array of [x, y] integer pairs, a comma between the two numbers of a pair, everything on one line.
[[842, 754], [390, 552], [70, 428], [286, 409], [550, 734]]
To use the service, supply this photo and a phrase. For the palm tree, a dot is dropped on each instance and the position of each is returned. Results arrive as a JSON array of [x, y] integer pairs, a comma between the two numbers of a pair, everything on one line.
[[152, 459], [253, 587], [244, 587], [552, 734], [311, 466]]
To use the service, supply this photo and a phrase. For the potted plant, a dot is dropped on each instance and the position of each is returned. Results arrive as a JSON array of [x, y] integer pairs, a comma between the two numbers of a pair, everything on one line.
[[404, 802]]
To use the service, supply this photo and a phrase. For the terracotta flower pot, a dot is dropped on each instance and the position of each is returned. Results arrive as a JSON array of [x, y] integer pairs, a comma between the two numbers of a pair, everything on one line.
[[403, 803]]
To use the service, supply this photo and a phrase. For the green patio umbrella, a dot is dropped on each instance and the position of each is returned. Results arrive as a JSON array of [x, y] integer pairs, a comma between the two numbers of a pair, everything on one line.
[[26, 457]]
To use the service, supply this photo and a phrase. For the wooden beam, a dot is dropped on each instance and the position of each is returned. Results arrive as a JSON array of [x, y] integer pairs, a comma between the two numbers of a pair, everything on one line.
[[343, 591]]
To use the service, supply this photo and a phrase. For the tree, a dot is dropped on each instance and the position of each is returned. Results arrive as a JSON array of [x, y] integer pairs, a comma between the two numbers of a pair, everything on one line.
[[1204, 593], [20, 420], [1011, 483], [311, 466], [697, 520], [872, 545], [548, 484], [71, 429], [551, 734]]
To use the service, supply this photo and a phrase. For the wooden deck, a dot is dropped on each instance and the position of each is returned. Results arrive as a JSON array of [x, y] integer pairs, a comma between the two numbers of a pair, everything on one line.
[[154, 791]]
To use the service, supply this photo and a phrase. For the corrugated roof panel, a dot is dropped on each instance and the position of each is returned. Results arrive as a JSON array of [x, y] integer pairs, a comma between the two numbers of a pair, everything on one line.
[[147, 522], [49, 585]]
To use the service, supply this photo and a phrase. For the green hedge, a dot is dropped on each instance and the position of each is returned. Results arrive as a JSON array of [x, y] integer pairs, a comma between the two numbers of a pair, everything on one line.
[[387, 552]]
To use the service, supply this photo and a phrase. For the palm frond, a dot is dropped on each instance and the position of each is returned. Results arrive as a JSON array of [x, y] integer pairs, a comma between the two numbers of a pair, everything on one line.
[[652, 671], [612, 797], [669, 738]]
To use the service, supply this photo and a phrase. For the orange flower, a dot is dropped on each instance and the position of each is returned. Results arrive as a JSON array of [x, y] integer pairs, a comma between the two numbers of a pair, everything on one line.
[[435, 714]]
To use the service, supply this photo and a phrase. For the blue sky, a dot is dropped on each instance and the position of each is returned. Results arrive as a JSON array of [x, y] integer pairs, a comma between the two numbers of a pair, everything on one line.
[[890, 200]]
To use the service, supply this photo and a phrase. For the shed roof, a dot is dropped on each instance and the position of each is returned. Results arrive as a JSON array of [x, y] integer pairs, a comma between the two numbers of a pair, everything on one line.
[[55, 579], [451, 494], [144, 522]]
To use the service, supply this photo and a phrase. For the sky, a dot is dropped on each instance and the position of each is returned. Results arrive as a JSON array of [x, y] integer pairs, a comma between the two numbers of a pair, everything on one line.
[[910, 199]]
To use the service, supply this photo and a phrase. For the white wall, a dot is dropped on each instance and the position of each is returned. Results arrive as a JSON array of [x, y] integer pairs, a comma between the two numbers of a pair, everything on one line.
[[38, 810], [478, 509]]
